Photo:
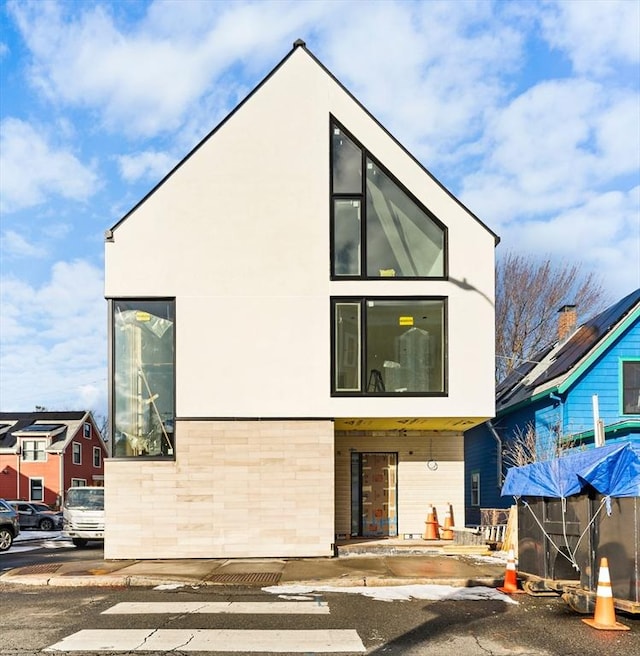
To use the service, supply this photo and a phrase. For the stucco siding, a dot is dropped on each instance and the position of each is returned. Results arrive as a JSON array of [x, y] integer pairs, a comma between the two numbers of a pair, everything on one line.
[[239, 234]]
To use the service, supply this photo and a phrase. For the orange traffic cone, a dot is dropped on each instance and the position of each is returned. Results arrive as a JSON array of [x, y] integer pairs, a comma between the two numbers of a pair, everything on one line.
[[510, 585], [605, 615], [447, 529], [431, 531]]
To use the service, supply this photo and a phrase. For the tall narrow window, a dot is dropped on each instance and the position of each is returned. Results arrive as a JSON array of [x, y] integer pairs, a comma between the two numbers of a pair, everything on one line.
[[631, 387], [348, 350], [389, 346], [475, 489], [76, 453], [379, 230], [143, 377]]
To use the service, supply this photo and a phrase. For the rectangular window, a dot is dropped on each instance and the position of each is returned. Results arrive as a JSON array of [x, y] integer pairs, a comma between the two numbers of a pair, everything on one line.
[[78, 482], [36, 489], [389, 346], [86, 430], [631, 387], [379, 230], [34, 450], [76, 453], [347, 347], [97, 456], [143, 377], [475, 489]]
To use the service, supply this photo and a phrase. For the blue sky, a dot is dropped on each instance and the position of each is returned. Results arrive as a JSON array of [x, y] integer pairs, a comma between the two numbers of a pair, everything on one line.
[[528, 111]]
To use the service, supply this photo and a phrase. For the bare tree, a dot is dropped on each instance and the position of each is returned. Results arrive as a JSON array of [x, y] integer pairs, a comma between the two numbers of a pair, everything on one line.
[[524, 446], [529, 293]]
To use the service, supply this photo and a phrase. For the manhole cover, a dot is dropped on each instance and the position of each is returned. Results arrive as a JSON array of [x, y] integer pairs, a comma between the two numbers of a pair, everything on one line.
[[40, 569], [256, 578]]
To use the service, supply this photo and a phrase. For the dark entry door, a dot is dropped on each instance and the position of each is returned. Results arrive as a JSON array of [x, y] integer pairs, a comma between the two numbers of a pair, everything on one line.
[[378, 494]]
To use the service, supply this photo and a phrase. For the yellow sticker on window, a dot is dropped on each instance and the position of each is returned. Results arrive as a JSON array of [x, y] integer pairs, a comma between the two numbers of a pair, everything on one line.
[[405, 321], [143, 316]]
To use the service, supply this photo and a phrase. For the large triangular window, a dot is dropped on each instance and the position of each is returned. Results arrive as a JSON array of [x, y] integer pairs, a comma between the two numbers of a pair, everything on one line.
[[378, 229]]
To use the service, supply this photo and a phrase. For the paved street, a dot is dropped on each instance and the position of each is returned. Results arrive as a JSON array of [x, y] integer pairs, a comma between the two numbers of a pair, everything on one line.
[[235, 620], [383, 606]]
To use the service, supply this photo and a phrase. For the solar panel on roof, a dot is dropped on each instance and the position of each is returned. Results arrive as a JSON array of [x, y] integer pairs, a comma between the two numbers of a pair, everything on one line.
[[41, 428], [587, 336]]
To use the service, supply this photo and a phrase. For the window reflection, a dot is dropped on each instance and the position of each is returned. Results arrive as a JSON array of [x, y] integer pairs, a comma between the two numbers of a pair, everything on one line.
[[400, 342], [402, 240], [346, 164], [346, 227], [144, 381]]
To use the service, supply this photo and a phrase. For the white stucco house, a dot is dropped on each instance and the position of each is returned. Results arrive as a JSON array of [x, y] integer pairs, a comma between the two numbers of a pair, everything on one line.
[[301, 328]]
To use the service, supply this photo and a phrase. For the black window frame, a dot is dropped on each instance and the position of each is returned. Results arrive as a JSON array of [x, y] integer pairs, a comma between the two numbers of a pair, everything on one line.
[[362, 197], [111, 357], [363, 392]]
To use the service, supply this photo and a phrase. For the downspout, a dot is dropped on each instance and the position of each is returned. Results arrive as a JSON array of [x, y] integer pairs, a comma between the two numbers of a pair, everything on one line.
[[556, 398], [18, 455], [61, 484], [496, 437]]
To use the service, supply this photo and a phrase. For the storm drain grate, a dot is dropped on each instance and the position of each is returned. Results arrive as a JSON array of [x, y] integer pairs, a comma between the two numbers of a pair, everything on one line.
[[40, 569], [255, 578]]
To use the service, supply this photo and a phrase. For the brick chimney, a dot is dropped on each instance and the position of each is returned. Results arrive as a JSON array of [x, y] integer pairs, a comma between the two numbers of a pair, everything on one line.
[[566, 321]]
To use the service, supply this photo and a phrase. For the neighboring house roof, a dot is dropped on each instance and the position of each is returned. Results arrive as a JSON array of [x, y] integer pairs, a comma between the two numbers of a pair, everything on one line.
[[556, 367], [60, 427], [298, 45]]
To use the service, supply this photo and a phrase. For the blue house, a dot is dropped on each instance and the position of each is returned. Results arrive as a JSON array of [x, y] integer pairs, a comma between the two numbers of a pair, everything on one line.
[[580, 391]]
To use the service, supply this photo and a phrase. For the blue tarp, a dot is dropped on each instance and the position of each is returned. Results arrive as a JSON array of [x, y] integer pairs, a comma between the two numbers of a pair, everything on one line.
[[613, 470]]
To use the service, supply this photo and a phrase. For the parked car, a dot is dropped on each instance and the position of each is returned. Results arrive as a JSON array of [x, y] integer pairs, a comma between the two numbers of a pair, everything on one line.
[[35, 515], [9, 525]]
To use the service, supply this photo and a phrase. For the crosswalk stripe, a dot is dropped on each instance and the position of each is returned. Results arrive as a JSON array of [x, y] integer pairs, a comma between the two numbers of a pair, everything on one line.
[[235, 607], [229, 640]]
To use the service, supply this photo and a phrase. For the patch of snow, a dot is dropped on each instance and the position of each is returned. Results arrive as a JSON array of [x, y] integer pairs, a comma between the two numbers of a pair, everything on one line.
[[399, 592]]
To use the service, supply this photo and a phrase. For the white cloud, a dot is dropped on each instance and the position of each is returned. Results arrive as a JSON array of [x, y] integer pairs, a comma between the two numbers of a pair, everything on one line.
[[599, 233], [552, 147], [53, 340], [150, 164], [430, 71], [33, 168], [597, 35], [144, 77], [13, 244]]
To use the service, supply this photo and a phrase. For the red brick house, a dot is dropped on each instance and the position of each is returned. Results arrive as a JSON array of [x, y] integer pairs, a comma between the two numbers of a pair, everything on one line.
[[42, 454]]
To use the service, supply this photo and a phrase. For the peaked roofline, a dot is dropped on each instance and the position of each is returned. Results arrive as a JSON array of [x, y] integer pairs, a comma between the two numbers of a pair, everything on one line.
[[298, 44], [560, 383]]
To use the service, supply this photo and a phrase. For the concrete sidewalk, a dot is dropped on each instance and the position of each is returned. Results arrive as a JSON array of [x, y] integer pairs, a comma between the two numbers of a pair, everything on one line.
[[371, 565]]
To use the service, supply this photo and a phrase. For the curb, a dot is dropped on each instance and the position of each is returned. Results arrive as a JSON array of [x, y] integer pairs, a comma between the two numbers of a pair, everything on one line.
[[141, 581]]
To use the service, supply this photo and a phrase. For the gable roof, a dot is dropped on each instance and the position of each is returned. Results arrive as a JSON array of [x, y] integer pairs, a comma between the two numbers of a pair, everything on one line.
[[60, 427], [299, 45], [556, 367]]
